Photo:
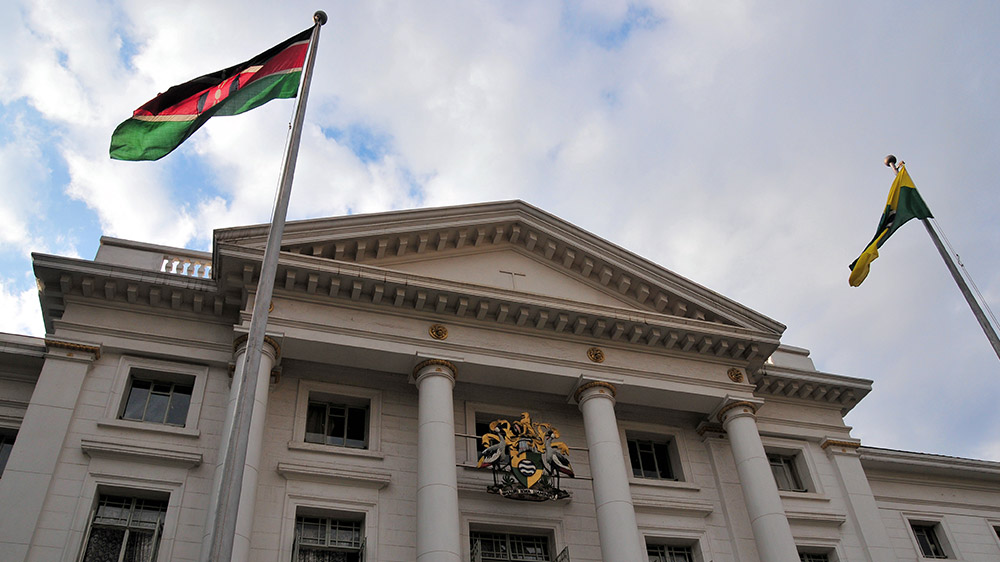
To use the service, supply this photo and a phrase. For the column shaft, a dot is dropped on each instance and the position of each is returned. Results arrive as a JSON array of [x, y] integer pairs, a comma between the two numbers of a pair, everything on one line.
[[438, 532], [616, 523], [248, 491], [770, 527]]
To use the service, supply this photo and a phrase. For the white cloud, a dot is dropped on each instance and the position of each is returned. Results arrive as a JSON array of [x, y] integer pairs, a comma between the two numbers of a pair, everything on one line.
[[22, 312]]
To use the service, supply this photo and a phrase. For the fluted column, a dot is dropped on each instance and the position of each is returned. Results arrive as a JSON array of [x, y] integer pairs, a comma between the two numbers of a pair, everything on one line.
[[616, 524], [438, 533], [248, 491], [770, 526]]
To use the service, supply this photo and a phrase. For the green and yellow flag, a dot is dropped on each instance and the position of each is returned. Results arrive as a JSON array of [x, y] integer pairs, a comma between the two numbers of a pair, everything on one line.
[[904, 204]]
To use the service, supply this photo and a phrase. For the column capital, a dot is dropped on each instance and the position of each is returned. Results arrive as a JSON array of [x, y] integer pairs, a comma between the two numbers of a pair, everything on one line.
[[240, 345], [732, 407], [591, 389], [72, 350], [840, 446], [435, 366]]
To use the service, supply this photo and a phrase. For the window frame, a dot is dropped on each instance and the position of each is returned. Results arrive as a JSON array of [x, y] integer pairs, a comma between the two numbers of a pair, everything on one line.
[[328, 520], [315, 499], [663, 447], [7, 438], [165, 371], [801, 459], [676, 448], [312, 391], [128, 527], [508, 535], [941, 533], [527, 524], [694, 540]]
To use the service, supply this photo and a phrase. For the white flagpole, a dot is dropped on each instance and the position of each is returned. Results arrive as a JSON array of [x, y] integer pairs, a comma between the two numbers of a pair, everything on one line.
[[223, 531], [977, 309]]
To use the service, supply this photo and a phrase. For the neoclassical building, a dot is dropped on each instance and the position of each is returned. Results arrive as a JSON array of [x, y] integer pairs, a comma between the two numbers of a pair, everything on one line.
[[478, 383]]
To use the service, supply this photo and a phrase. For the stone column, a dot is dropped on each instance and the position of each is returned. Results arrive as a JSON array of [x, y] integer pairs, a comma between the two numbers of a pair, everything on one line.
[[861, 503], [770, 527], [438, 532], [40, 439], [248, 494], [616, 524]]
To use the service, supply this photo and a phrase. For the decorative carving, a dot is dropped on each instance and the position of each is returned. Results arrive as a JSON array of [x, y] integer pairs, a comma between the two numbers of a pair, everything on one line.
[[242, 339], [441, 362], [734, 405], [839, 443], [438, 332], [596, 354], [526, 459], [593, 384], [96, 350], [735, 375]]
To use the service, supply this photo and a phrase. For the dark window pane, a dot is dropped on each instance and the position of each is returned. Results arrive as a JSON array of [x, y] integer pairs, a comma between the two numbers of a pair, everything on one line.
[[633, 457], [6, 444], [137, 397], [104, 545], [316, 423], [357, 422], [661, 451], [648, 459], [336, 426], [177, 413], [156, 410], [140, 546]]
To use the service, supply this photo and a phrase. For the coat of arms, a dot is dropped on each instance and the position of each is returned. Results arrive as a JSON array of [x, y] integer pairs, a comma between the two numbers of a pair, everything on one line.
[[527, 459]]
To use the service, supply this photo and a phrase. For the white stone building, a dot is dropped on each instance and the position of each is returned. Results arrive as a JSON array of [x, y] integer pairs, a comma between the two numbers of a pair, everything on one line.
[[695, 435]]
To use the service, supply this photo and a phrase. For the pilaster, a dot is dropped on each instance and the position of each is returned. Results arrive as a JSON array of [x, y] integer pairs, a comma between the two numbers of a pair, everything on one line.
[[33, 460]]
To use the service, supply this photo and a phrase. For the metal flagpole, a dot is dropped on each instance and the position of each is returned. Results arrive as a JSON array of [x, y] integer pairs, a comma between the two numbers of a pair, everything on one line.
[[223, 531], [977, 310]]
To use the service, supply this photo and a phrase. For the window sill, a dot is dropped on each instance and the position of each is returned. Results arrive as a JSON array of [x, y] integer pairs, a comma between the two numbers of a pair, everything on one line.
[[808, 496], [671, 484], [335, 450], [151, 427]]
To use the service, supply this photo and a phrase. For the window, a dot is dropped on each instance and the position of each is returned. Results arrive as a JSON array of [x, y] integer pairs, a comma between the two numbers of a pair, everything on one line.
[[813, 557], [490, 547], [328, 539], [6, 444], [669, 553], [125, 529], [786, 475], [650, 459], [157, 401], [337, 424], [928, 541]]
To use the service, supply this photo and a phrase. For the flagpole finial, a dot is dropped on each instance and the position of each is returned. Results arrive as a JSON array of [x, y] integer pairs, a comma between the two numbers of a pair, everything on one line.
[[890, 161], [320, 17]]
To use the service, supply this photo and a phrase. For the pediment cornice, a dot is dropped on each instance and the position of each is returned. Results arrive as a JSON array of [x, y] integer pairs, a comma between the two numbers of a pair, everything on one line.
[[385, 239]]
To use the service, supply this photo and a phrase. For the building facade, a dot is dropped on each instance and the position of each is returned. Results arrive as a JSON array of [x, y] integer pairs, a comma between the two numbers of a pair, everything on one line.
[[394, 340]]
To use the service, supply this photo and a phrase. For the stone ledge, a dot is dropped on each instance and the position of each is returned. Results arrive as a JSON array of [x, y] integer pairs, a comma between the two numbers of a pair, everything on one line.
[[816, 517], [327, 473], [668, 504], [132, 451]]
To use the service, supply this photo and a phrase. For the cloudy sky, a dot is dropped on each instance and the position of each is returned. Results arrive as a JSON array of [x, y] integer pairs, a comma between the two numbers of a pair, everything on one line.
[[738, 144]]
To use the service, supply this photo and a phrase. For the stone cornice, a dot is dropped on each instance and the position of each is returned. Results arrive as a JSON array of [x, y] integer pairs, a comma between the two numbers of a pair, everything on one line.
[[356, 476], [815, 386], [356, 238], [928, 465], [367, 285]]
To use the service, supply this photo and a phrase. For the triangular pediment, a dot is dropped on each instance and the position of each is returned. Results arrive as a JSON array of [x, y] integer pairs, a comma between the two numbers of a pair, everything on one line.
[[512, 263], [510, 269]]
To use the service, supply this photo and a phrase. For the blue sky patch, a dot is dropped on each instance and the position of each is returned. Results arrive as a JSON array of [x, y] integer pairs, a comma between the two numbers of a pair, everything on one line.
[[366, 143], [610, 34]]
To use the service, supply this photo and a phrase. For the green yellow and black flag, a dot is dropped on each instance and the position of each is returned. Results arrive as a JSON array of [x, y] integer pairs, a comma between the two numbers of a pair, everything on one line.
[[164, 122], [904, 203]]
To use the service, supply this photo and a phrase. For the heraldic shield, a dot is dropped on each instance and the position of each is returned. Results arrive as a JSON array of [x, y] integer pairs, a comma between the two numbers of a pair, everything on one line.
[[526, 458]]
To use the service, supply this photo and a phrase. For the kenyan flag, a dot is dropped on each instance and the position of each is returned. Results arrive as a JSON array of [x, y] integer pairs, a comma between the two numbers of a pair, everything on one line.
[[165, 121]]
